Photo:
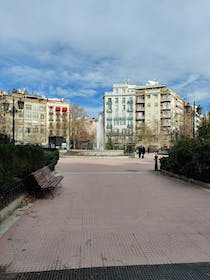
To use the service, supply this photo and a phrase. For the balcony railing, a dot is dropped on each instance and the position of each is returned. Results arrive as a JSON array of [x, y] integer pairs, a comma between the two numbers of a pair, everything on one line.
[[166, 124], [165, 116], [140, 100], [140, 118], [165, 98], [165, 107], [140, 108]]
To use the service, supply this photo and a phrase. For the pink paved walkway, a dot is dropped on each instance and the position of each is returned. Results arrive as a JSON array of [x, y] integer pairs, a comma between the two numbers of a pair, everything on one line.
[[111, 212]]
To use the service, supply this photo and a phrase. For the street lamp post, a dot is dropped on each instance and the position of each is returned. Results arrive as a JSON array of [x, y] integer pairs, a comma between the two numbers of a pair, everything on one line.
[[13, 111]]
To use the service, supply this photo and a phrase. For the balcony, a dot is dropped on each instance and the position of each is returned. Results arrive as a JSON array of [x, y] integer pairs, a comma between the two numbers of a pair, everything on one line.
[[140, 100], [165, 124], [140, 108], [165, 107], [140, 117], [165, 116], [165, 98]]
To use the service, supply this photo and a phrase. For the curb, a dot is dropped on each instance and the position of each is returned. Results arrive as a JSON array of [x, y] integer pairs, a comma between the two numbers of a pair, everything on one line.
[[186, 179], [11, 207]]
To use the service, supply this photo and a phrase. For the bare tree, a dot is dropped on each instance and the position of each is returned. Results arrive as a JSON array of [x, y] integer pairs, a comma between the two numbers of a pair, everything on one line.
[[144, 134], [79, 132]]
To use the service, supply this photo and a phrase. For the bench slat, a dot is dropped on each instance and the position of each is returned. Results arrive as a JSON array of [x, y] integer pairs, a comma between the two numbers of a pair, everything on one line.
[[45, 180]]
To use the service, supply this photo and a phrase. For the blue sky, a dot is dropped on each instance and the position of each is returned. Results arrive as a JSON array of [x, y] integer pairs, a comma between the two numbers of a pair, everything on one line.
[[77, 49]]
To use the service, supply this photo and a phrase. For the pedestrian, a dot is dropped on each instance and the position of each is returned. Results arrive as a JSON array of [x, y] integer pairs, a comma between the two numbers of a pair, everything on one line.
[[139, 151], [143, 151], [148, 150]]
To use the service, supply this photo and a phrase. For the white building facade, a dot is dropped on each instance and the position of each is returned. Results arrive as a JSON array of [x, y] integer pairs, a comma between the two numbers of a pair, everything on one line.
[[119, 115], [150, 115]]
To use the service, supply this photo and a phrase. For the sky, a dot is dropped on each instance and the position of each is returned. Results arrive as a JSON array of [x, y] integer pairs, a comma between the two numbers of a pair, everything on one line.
[[77, 50]]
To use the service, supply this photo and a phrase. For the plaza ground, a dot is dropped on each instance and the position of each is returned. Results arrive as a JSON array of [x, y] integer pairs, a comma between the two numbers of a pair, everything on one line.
[[110, 212]]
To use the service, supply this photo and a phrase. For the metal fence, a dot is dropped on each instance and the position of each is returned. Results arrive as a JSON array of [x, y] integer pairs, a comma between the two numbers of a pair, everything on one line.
[[11, 192]]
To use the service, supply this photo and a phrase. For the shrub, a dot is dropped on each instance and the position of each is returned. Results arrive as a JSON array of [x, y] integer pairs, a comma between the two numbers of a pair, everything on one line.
[[21, 160], [189, 157]]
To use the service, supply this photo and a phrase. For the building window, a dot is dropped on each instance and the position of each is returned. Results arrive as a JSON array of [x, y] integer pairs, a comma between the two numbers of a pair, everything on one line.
[[35, 115], [116, 122], [28, 107], [156, 104], [35, 107], [20, 121], [28, 115], [20, 114], [42, 116], [148, 104], [148, 96]]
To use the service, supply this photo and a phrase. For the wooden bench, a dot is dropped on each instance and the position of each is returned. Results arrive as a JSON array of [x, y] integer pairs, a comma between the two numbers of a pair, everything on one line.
[[45, 181]]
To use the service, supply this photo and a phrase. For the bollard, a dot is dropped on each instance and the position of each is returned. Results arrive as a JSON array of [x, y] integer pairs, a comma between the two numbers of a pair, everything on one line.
[[156, 162]]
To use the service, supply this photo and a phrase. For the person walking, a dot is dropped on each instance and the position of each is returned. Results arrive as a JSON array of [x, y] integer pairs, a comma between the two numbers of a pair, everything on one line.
[[139, 152], [143, 151]]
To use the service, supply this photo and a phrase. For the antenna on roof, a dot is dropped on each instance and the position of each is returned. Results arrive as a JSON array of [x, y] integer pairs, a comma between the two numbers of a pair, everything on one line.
[[127, 81]]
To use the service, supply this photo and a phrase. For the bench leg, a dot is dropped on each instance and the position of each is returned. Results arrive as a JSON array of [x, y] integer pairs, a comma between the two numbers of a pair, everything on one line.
[[52, 194]]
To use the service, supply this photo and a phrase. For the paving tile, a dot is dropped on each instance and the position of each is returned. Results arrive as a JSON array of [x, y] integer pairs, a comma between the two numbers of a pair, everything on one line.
[[110, 212]]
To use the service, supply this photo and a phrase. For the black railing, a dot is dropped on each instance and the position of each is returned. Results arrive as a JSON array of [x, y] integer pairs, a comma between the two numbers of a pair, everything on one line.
[[11, 192]]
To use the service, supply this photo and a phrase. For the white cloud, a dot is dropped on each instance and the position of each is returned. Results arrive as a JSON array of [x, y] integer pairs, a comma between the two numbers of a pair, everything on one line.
[[78, 48], [68, 94], [199, 95]]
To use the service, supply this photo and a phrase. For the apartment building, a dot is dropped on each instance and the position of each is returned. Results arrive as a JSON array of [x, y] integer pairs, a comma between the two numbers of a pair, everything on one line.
[[159, 112], [150, 114], [58, 111], [37, 121], [119, 115]]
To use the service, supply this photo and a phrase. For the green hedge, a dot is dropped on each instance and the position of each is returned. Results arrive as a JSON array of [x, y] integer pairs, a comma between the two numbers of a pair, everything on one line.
[[189, 157], [21, 160]]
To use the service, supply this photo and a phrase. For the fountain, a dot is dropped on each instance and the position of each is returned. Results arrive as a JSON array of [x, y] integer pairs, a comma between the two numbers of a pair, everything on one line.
[[100, 133], [99, 149]]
